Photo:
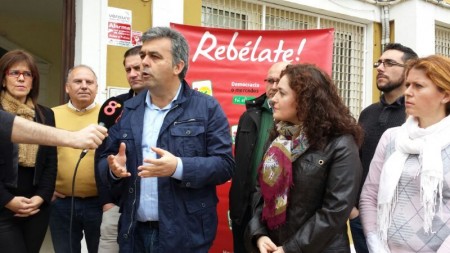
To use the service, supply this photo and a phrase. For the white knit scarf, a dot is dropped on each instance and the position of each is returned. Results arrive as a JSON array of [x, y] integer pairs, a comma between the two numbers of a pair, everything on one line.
[[427, 143]]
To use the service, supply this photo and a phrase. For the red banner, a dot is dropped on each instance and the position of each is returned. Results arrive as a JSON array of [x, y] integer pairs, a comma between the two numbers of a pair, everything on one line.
[[231, 66]]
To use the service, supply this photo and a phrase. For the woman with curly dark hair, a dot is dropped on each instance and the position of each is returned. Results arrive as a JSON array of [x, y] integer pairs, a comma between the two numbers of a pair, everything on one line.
[[311, 172]]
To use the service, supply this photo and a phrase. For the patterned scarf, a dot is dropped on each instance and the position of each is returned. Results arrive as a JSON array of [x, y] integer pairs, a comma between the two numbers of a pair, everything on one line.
[[27, 152], [275, 173]]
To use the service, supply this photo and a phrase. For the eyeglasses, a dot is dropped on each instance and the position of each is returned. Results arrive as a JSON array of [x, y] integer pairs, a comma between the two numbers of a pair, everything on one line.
[[387, 63], [17, 73], [271, 81]]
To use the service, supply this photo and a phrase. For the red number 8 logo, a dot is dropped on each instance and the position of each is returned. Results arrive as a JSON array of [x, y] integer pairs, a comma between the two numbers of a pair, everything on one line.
[[110, 109]]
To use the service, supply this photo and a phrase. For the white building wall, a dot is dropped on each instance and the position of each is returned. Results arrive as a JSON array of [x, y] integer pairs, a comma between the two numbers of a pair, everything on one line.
[[414, 25], [91, 39], [167, 11], [442, 15], [354, 10]]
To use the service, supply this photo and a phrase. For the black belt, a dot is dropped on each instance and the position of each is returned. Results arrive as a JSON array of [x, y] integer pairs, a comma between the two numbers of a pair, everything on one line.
[[151, 224]]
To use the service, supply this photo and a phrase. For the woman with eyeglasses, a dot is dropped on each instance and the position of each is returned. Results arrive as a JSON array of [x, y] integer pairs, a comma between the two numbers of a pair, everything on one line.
[[310, 174], [405, 201], [27, 171]]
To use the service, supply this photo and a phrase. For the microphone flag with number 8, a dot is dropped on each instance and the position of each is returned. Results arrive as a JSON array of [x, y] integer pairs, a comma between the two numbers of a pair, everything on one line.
[[110, 112]]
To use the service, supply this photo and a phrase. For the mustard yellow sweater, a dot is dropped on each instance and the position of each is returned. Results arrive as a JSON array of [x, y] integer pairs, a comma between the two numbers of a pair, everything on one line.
[[68, 119]]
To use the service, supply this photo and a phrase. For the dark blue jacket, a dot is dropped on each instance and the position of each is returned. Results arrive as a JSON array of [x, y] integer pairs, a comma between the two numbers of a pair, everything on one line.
[[104, 192], [197, 131]]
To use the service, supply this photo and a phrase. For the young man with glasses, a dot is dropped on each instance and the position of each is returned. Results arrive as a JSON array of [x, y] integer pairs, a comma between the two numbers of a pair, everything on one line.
[[376, 118], [253, 131]]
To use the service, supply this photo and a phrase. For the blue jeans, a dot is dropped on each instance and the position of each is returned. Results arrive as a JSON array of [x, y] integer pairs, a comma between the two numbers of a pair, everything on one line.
[[359, 240], [146, 239], [87, 218]]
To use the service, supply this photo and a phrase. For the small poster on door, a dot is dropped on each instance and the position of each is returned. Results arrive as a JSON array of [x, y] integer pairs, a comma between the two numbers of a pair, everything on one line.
[[119, 27]]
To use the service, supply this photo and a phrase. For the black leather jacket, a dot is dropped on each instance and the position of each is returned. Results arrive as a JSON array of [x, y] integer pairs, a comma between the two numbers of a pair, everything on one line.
[[246, 136], [326, 185]]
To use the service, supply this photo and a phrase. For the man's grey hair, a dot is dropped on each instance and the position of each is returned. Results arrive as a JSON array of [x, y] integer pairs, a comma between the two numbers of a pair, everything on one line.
[[180, 47], [80, 66]]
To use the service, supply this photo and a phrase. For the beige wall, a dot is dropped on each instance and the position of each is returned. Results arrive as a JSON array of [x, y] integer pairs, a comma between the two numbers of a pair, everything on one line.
[[377, 53], [141, 14], [193, 12], [141, 21]]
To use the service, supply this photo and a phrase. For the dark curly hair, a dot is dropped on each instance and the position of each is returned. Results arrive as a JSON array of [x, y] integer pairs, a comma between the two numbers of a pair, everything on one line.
[[319, 107]]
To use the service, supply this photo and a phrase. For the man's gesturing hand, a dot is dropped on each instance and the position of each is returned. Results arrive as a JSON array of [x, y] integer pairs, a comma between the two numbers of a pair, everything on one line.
[[163, 167], [117, 163]]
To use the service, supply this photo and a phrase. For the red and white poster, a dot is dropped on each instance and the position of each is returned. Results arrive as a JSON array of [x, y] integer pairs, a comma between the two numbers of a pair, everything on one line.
[[231, 66], [119, 27], [136, 38]]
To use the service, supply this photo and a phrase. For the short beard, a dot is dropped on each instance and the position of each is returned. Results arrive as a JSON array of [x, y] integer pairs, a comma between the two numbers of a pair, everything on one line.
[[391, 86]]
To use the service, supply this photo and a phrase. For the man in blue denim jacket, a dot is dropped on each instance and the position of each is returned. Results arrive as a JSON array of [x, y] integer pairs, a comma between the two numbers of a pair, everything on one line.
[[169, 150]]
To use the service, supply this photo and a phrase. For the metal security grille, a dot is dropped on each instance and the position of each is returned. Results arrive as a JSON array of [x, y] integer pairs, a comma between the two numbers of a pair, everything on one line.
[[348, 46], [277, 19], [348, 60], [442, 41], [231, 14]]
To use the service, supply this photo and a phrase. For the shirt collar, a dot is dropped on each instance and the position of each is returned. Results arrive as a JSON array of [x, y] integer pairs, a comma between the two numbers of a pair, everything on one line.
[[148, 101], [267, 105], [71, 106], [399, 102]]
